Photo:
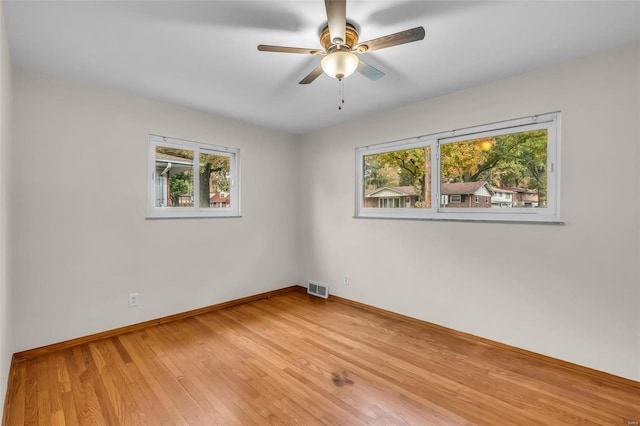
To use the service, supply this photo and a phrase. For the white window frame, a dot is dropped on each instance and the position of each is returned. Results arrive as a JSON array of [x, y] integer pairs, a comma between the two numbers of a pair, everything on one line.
[[233, 210], [549, 214]]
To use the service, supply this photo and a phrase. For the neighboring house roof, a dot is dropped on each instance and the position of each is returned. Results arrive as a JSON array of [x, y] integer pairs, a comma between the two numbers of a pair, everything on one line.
[[463, 188], [516, 189], [399, 190], [505, 190], [160, 156], [219, 197], [172, 163]]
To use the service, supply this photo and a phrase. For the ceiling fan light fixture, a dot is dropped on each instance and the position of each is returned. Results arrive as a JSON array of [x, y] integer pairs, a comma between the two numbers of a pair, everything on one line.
[[340, 64]]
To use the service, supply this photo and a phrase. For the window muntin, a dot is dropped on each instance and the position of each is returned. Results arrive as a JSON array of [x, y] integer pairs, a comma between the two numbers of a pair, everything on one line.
[[505, 171], [190, 179]]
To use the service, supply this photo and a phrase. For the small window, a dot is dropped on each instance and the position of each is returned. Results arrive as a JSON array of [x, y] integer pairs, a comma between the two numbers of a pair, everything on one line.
[[462, 174], [189, 179]]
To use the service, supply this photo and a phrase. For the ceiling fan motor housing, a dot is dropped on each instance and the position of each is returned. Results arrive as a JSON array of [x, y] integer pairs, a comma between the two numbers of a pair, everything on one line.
[[351, 35]]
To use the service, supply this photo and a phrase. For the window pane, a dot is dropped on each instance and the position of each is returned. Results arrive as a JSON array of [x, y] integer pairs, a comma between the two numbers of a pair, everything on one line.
[[508, 171], [214, 181], [398, 179], [173, 177]]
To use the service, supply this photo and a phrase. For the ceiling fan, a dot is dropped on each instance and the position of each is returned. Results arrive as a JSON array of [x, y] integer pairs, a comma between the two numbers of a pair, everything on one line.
[[340, 42]]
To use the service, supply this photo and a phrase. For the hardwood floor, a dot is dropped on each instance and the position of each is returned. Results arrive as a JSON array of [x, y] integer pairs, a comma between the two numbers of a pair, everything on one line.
[[294, 359]]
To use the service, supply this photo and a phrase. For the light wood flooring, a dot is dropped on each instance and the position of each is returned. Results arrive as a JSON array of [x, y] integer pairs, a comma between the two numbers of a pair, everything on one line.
[[295, 359]]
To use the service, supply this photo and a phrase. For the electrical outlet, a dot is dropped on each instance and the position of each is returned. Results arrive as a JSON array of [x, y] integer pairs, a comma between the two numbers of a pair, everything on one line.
[[133, 300], [345, 280]]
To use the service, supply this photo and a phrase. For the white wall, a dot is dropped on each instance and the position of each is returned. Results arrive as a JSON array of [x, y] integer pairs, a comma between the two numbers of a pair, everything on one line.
[[570, 292], [6, 344], [81, 242]]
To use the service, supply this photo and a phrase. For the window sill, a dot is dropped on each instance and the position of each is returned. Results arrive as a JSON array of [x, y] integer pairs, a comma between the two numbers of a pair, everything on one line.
[[192, 217], [523, 220]]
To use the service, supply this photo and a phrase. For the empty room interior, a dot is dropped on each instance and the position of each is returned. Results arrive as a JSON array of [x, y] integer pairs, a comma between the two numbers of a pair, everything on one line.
[[319, 212]]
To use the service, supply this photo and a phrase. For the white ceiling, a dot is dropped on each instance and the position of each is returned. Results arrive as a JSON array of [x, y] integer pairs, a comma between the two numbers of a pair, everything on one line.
[[202, 54]]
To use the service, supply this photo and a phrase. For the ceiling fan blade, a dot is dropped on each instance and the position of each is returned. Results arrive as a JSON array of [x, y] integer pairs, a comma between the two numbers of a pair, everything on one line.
[[312, 75], [368, 71], [336, 20], [285, 49], [406, 36]]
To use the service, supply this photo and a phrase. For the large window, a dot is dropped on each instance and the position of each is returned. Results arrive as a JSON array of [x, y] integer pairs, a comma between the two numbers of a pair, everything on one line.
[[506, 171], [188, 179]]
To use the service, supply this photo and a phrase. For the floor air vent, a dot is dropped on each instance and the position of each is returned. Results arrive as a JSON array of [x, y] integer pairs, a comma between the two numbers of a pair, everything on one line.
[[317, 289]]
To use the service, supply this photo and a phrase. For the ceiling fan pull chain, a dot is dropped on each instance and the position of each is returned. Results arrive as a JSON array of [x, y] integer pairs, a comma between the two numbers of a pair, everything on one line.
[[340, 93]]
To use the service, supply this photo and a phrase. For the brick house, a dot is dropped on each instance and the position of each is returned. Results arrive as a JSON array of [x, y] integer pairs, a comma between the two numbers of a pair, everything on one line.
[[220, 199], [466, 195], [523, 197]]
